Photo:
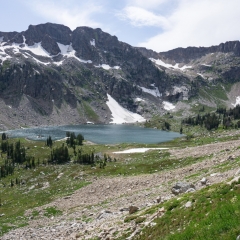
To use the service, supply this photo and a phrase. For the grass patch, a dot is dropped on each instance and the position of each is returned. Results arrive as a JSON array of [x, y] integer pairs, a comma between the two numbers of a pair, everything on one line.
[[90, 114], [130, 218], [51, 211], [214, 215]]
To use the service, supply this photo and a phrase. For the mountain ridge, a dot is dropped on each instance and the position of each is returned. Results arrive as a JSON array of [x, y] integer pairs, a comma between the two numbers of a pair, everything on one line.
[[51, 68], [187, 54]]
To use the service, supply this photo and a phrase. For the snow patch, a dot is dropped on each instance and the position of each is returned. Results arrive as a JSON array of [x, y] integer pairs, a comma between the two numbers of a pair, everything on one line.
[[206, 65], [169, 66], [36, 49], [1, 39], [168, 106], [69, 52], [92, 42], [38, 61], [121, 115], [4, 57], [139, 100], [237, 101], [59, 63], [155, 92], [107, 67], [65, 49], [36, 71], [116, 67], [200, 75], [139, 150]]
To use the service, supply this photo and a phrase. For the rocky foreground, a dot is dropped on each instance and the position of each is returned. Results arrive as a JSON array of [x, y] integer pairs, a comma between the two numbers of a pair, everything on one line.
[[106, 202]]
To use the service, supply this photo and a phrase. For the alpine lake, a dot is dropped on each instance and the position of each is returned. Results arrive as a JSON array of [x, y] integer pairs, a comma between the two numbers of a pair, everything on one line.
[[100, 134]]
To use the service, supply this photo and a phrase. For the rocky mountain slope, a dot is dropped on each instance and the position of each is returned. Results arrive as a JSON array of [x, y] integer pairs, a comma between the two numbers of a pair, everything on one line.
[[206, 68], [52, 75]]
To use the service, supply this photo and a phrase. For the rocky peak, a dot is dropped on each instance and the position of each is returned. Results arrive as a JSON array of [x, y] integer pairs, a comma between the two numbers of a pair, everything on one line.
[[59, 33], [231, 46], [7, 35], [149, 53], [185, 55], [50, 45]]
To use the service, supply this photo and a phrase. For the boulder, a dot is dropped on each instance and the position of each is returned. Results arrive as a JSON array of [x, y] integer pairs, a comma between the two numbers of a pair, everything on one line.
[[203, 181], [188, 204], [182, 187], [133, 209], [159, 199]]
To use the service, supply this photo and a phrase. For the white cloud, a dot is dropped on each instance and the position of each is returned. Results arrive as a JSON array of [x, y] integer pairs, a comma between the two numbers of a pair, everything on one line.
[[198, 23], [140, 17], [64, 13], [149, 4]]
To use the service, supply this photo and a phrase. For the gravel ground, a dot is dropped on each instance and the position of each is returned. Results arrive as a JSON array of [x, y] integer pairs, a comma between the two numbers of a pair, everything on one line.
[[98, 210]]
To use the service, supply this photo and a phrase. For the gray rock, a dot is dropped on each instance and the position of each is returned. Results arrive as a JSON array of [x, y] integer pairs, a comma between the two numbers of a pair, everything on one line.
[[182, 187], [159, 199], [203, 181], [190, 190], [231, 157], [104, 214], [237, 172], [188, 204]]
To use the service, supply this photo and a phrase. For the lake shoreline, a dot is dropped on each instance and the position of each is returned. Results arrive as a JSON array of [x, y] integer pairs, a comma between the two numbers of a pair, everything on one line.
[[98, 134]]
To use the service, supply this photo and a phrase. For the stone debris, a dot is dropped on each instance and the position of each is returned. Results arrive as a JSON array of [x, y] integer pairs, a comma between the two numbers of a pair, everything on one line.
[[98, 210], [182, 187], [203, 181]]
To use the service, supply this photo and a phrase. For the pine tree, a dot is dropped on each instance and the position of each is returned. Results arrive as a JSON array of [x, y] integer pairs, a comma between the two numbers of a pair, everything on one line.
[[4, 136]]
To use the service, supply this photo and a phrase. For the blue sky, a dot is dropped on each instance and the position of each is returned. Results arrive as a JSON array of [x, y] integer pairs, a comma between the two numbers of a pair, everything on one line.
[[160, 25]]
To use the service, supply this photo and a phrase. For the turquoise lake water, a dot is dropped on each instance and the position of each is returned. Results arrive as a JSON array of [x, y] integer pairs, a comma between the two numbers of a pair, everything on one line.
[[101, 134]]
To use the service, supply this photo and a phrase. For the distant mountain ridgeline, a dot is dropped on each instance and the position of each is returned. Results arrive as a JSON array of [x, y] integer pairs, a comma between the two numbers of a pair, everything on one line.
[[52, 75]]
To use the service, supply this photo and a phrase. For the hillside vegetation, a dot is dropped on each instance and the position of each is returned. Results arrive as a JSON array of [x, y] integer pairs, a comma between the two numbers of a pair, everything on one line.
[[93, 200]]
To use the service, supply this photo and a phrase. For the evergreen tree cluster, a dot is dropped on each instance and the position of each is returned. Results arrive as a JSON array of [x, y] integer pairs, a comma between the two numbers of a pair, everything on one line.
[[15, 152], [4, 136], [234, 113], [209, 121], [229, 116], [73, 140], [212, 121], [49, 142], [92, 159], [85, 158], [6, 169], [30, 162], [166, 126], [60, 155]]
